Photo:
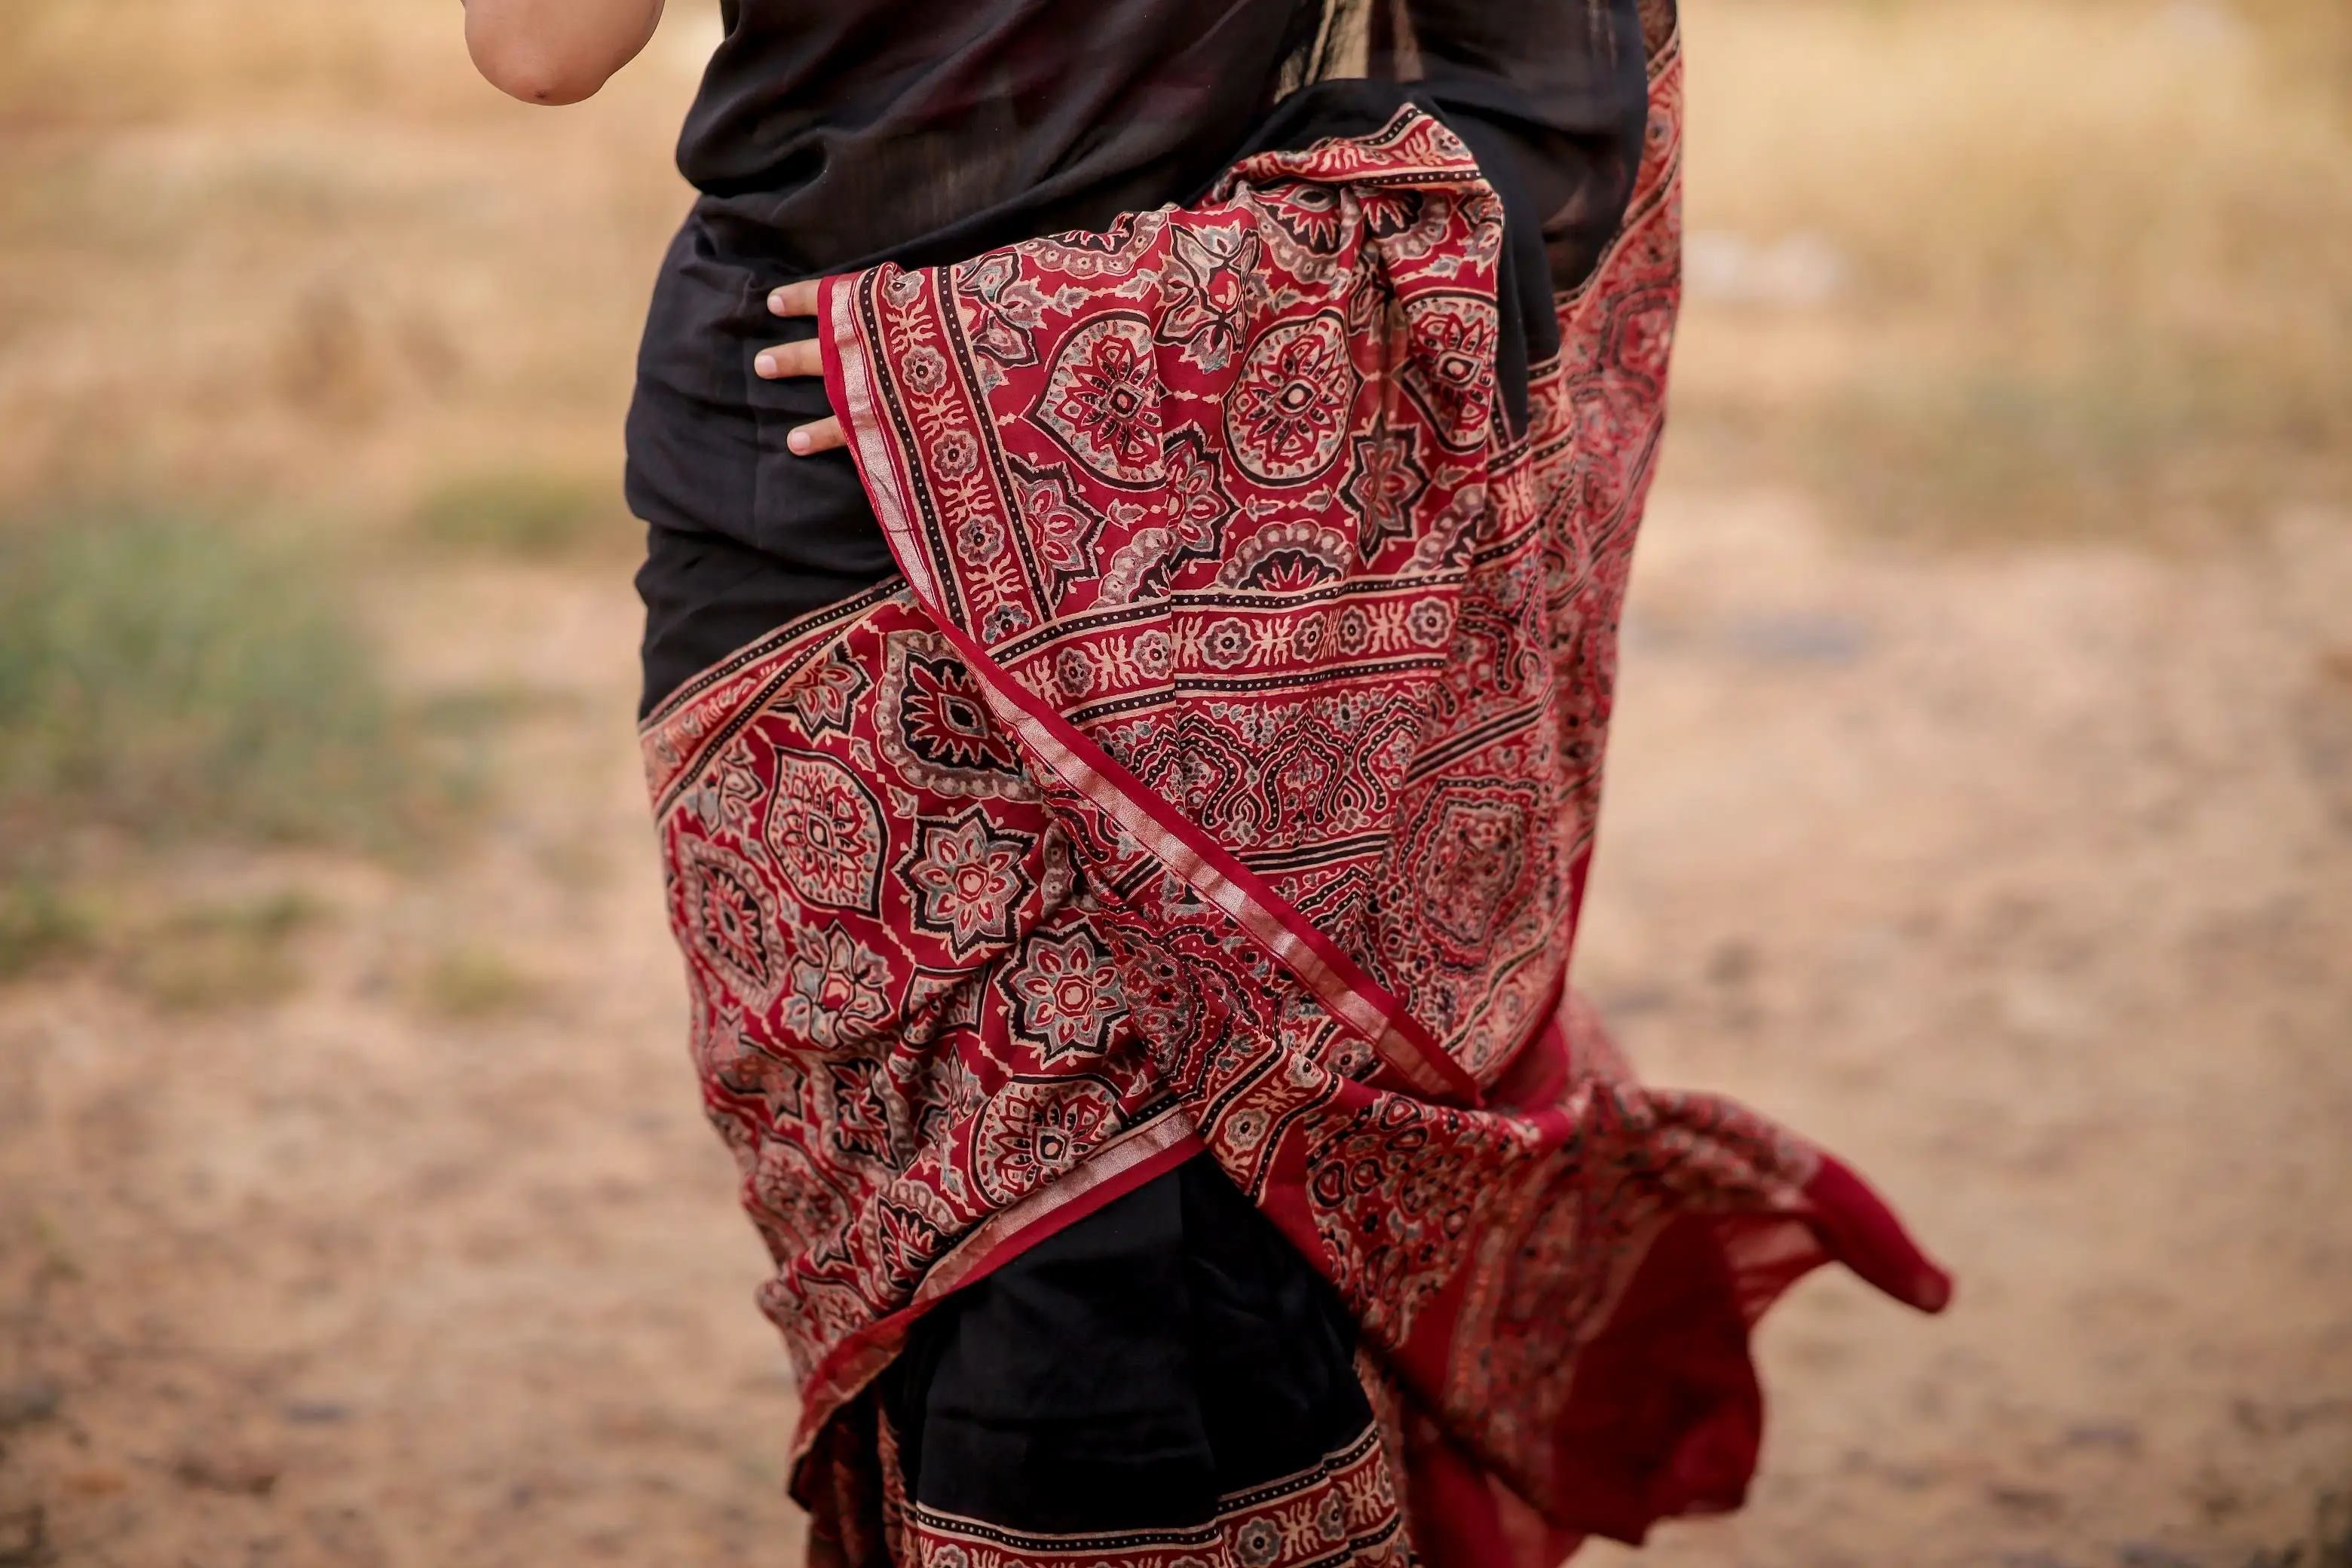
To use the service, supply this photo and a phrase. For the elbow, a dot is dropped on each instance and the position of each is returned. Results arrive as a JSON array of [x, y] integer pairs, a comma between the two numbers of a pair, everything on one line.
[[531, 74]]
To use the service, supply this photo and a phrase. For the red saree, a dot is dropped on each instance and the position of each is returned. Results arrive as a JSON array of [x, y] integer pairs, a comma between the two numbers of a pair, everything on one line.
[[1223, 777]]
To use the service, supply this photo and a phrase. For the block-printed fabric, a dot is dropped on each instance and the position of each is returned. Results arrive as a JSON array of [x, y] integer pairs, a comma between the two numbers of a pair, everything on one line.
[[1224, 775]]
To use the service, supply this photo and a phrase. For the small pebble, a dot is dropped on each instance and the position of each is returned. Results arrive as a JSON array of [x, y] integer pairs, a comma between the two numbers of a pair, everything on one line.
[[315, 1412], [29, 1399], [2120, 1436], [228, 1468]]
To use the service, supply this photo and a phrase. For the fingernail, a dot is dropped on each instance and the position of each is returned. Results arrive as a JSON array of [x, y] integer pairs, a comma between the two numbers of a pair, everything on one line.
[[798, 441], [765, 364], [776, 301]]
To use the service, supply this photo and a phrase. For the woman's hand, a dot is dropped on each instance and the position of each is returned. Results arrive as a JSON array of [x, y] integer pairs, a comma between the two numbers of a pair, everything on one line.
[[556, 51], [802, 358]]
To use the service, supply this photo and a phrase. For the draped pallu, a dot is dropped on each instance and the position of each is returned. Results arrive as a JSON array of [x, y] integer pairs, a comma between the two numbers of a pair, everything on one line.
[[1223, 775]]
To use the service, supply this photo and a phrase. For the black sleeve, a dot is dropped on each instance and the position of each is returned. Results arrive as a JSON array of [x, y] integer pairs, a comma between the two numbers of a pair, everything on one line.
[[1565, 82]]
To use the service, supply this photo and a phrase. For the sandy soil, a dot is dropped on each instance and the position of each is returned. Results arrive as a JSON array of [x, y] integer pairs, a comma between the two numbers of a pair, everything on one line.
[[2023, 880]]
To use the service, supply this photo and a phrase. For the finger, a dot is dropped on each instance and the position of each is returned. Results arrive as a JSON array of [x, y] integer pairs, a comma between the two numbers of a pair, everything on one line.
[[794, 299], [778, 359], [821, 437]]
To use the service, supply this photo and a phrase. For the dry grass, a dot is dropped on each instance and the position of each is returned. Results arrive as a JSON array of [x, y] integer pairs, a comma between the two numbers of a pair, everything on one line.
[[474, 980], [218, 953], [160, 677], [169, 686], [2100, 259], [307, 253]]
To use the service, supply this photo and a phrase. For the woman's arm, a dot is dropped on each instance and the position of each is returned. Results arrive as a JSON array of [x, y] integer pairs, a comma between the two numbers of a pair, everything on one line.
[[556, 51]]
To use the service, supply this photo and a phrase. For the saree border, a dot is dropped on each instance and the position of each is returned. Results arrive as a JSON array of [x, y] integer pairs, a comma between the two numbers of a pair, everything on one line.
[[1142, 1153], [1342, 1509], [739, 708]]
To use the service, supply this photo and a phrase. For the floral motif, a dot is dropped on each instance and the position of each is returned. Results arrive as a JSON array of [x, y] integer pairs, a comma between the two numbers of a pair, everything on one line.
[[825, 695], [1226, 643], [1331, 1519], [1430, 623], [1258, 1542], [1409, 224], [979, 539], [1153, 655], [1102, 399], [797, 1203], [1008, 619], [1289, 555], [834, 994], [1074, 672], [1026, 1139], [1064, 528], [956, 453], [1286, 416], [967, 878], [1140, 568], [1196, 503], [1213, 286], [1311, 214], [1387, 482], [923, 370], [1006, 308], [1472, 847], [862, 1101], [1065, 994], [1450, 369]]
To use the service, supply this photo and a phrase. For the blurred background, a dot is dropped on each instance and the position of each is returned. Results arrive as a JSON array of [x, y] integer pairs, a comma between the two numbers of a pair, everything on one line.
[[1980, 801]]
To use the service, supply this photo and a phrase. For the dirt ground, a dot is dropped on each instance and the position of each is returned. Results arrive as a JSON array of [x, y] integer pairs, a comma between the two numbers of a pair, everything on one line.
[[2024, 882], [2019, 874]]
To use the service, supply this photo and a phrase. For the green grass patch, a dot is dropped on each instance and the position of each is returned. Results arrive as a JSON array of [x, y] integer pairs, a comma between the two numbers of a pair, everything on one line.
[[170, 680], [163, 681], [526, 514], [38, 921]]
